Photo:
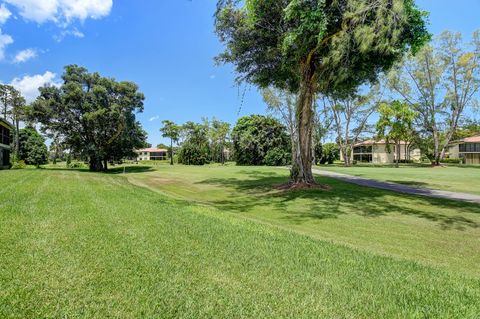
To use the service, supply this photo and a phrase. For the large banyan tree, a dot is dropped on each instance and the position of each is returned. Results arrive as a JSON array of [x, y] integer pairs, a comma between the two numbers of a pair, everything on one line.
[[311, 47]]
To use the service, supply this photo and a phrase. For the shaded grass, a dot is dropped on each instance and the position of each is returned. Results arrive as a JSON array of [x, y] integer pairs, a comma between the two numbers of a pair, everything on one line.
[[82, 245], [436, 232], [459, 178]]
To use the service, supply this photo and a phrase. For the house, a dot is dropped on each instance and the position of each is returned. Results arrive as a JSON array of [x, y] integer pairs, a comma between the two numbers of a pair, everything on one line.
[[152, 154], [371, 151], [5, 133], [467, 149]]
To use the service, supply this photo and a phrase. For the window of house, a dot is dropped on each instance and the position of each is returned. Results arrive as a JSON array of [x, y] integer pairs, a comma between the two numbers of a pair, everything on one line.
[[469, 148], [4, 135], [363, 149], [366, 158]]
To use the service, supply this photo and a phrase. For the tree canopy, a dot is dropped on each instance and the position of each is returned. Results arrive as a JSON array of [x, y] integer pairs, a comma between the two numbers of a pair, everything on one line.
[[93, 115], [172, 131], [395, 124], [195, 148], [32, 148], [260, 140], [440, 83], [316, 46]]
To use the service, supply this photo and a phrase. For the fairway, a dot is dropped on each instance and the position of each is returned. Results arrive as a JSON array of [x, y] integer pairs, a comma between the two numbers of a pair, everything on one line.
[[435, 232], [84, 245], [463, 179]]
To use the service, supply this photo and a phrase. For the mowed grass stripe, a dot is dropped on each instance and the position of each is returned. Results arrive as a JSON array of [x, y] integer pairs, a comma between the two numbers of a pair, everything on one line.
[[435, 232], [96, 246]]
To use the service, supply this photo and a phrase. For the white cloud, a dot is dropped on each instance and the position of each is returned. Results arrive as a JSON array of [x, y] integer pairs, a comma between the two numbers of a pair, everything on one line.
[[25, 55], [4, 14], [28, 85], [212, 77], [154, 118], [74, 32], [62, 11], [5, 40]]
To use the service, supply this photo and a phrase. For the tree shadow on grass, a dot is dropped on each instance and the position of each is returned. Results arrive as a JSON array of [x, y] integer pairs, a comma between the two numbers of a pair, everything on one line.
[[130, 169], [410, 183], [113, 171], [302, 206]]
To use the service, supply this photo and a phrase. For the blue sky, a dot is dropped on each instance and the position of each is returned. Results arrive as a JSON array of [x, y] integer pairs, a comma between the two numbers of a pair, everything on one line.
[[166, 47]]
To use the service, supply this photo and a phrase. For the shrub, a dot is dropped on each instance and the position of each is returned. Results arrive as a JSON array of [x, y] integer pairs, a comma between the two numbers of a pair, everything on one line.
[[32, 148], [452, 161], [255, 136], [19, 165], [76, 165], [277, 157], [193, 154], [330, 152]]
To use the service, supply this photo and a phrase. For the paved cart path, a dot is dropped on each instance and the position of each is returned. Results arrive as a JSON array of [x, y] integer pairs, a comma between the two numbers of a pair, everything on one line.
[[400, 188]]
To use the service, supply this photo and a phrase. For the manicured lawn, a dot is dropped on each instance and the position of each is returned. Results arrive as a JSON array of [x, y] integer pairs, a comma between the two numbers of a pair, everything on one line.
[[434, 232], [464, 179], [81, 245]]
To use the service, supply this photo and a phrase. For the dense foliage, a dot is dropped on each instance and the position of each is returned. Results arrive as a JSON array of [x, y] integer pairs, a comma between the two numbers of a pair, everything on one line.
[[260, 140], [32, 148], [93, 115], [395, 124], [13, 108], [441, 83], [316, 46], [172, 131], [326, 153], [195, 148]]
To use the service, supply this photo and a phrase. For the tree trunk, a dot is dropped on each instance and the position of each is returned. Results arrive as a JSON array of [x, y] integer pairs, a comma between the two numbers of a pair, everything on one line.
[[95, 164], [346, 157], [397, 161], [222, 150], [171, 151], [105, 164], [301, 172], [436, 149], [17, 138]]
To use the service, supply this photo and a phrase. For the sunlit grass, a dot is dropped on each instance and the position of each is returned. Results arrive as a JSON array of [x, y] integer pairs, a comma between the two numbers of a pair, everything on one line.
[[81, 245], [436, 232], [454, 178]]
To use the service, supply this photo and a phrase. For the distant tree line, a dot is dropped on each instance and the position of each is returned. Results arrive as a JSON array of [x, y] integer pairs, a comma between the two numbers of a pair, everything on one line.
[[254, 140]]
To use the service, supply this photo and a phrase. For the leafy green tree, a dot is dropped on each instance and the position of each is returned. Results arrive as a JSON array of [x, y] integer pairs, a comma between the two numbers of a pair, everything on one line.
[[14, 109], [17, 114], [281, 104], [6, 99], [219, 132], [311, 47], [163, 146], [440, 83], [56, 149], [466, 129], [260, 140], [93, 115], [330, 152], [395, 124], [172, 131], [32, 148], [351, 114], [195, 149]]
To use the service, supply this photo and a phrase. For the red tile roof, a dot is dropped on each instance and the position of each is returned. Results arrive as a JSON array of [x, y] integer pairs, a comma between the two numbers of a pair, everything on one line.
[[152, 150], [472, 139]]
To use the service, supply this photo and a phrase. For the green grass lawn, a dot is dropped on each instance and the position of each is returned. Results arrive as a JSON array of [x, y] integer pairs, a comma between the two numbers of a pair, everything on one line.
[[82, 245], [439, 233], [464, 179]]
